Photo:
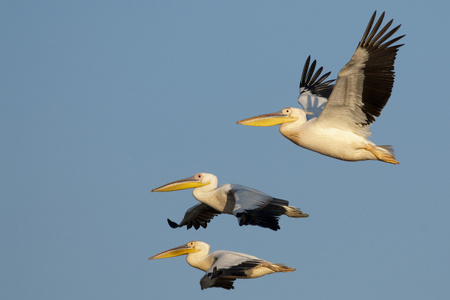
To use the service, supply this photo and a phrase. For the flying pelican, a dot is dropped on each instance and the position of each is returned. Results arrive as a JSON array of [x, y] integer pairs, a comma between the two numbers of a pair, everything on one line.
[[362, 89], [222, 267], [250, 206]]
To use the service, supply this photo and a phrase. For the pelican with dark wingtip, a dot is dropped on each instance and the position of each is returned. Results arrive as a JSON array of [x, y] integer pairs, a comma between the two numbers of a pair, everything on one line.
[[361, 91], [222, 267], [250, 206]]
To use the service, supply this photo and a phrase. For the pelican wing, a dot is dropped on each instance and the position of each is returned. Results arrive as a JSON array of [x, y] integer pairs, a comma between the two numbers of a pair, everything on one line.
[[227, 267], [198, 215], [314, 92], [364, 85], [253, 207], [245, 198], [210, 281]]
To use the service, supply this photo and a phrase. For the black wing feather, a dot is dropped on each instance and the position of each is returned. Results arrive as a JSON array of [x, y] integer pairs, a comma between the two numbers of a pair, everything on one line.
[[224, 278], [310, 82], [266, 216], [198, 215], [379, 67]]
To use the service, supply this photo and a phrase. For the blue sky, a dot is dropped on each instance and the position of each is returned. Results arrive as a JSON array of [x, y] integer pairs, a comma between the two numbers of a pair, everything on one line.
[[102, 101]]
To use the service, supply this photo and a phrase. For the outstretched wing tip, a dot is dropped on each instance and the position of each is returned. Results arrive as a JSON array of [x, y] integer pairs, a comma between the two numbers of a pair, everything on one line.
[[172, 224], [312, 81], [371, 69]]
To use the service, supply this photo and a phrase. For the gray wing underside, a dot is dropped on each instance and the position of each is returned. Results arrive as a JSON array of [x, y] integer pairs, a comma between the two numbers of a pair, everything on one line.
[[196, 216]]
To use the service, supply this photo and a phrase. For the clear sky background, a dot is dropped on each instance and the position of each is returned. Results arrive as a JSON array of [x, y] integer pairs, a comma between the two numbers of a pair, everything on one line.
[[101, 101]]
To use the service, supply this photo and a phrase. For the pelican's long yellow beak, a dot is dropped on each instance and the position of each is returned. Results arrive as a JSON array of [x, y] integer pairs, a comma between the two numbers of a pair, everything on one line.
[[177, 251], [272, 119], [182, 184]]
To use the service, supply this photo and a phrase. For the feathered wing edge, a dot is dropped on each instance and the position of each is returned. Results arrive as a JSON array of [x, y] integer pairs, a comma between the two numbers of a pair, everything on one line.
[[379, 66], [224, 278], [268, 215], [311, 82], [314, 90], [198, 215], [364, 84]]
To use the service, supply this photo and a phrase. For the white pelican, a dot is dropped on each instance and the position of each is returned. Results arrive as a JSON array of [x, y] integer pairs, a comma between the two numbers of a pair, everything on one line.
[[362, 89], [250, 206], [222, 267]]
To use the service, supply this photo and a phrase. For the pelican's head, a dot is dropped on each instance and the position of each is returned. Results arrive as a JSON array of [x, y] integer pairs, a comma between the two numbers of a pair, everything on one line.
[[198, 180], [286, 115], [191, 247]]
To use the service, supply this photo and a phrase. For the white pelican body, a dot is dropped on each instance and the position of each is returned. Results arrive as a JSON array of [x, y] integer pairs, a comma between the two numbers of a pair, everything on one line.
[[323, 138], [222, 267], [250, 206], [362, 89]]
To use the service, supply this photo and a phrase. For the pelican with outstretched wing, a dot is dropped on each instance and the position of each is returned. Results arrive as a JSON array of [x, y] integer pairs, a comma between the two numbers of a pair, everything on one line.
[[250, 206], [361, 91], [222, 267]]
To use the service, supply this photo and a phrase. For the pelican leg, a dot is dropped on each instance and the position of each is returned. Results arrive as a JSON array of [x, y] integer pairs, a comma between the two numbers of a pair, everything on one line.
[[382, 154]]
